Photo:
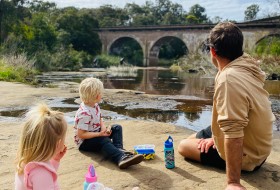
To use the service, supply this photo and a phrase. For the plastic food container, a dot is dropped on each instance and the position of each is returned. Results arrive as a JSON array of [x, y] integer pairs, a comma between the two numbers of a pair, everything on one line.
[[148, 151]]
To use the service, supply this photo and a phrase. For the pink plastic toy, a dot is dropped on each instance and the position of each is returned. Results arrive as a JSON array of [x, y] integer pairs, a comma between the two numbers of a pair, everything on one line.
[[90, 176]]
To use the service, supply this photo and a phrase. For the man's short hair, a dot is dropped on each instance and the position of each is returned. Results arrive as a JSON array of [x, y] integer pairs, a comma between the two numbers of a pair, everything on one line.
[[90, 88], [227, 40]]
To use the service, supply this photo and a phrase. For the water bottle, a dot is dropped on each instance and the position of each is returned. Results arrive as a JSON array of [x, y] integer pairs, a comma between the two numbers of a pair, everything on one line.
[[169, 153], [90, 177]]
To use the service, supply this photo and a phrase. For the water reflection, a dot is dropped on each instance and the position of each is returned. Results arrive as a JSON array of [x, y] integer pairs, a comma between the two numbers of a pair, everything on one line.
[[163, 82], [192, 116], [151, 81]]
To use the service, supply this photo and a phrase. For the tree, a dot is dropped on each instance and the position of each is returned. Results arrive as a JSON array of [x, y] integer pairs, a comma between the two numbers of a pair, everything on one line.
[[191, 19], [216, 19], [166, 12], [81, 32], [251, 12], [196, 13], [11, 13], [139, 16], [162, 12], [109, 16], [34, 34], [41, 6]]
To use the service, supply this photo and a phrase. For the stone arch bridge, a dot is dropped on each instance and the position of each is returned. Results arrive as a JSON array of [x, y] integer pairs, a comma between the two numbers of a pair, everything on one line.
[[150, 38]]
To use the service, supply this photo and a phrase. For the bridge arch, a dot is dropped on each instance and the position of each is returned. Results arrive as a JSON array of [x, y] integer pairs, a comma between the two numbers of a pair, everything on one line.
[[115, 47], [154, 49], [123, 37]]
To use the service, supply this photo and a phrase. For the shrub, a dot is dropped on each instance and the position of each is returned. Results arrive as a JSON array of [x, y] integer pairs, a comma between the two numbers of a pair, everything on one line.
[[107, 60], [268, 46], [18, 73]]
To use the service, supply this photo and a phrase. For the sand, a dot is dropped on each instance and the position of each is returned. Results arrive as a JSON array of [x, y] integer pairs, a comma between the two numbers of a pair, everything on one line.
[[150, 174]]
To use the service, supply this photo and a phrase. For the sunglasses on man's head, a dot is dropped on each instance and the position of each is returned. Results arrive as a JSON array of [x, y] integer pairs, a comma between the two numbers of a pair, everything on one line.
[[206, 45]]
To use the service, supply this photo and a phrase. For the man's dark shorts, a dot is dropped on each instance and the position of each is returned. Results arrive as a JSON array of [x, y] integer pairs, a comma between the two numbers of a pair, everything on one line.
[[212, 158]]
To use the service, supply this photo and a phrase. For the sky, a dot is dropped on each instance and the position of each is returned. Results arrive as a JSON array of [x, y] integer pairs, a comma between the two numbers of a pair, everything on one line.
[[226, 9]]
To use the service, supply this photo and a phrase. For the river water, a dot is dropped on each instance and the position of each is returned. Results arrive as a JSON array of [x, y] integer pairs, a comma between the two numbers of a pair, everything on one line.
[[194, 115]]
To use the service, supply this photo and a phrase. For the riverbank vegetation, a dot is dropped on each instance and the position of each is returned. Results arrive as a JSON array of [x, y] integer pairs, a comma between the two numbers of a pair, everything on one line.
[[17, 68], [195, 63], [66, 39], [201, 62], [104, 60], [267, 52]]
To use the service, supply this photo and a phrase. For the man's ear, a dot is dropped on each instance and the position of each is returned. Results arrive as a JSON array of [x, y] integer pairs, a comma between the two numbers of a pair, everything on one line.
[[213, 52]]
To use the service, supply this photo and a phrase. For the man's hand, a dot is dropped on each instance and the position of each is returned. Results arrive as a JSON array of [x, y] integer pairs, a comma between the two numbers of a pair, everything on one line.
[[205, 144], [235, 186]]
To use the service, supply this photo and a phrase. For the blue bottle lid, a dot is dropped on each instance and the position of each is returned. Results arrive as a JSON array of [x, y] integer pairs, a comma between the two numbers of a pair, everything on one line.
[[169, 142]]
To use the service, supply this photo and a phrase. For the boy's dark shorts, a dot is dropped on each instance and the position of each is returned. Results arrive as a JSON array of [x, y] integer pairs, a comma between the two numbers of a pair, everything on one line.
[[212, 158]]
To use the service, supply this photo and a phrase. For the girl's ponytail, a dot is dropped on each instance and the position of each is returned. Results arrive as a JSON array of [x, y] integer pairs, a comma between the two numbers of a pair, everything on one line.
[[41, 131]]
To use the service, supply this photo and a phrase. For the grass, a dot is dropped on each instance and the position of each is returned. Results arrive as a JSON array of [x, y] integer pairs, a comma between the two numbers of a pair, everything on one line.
[[104, 60], [17, 69], [197, 61], [123, 71]]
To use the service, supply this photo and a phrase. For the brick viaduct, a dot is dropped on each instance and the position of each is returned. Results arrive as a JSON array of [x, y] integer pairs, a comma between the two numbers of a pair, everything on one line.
[[150, 38]]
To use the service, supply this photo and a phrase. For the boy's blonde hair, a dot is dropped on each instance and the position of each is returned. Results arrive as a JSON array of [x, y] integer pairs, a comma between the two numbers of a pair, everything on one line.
[[90, 88], [41, 132]]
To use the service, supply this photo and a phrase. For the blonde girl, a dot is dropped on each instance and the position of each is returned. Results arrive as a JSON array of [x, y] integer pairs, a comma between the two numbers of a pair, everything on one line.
[[41, 148]]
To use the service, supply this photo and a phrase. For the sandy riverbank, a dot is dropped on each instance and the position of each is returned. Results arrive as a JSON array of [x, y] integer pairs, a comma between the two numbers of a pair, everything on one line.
[[147, 175]]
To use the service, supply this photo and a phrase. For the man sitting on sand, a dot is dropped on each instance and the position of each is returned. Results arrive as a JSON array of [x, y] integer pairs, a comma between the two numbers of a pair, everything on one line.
[[240, 137]]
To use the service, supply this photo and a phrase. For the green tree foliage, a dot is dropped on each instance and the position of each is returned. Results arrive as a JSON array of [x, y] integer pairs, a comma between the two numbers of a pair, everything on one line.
[[41, 6], [251, 12], [191, 19], [39, 36], [167, 12], [197, 14], [11, 14], [42, 32], [140, 16], [163, 12], [80, 32], [109, 16]]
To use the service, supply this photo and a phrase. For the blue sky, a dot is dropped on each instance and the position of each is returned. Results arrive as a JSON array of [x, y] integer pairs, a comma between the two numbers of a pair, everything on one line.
[[226, 9]]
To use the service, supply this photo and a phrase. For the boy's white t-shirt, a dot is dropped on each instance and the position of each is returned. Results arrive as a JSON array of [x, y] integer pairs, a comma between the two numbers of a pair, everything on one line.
[[87, 118]]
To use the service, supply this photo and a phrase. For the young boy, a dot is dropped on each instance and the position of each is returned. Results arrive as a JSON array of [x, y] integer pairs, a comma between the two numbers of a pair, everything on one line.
[[90, 131]]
